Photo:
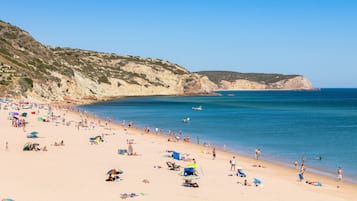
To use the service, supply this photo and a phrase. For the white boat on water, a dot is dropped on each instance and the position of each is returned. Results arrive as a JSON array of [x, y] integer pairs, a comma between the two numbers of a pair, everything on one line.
[[197, 108]]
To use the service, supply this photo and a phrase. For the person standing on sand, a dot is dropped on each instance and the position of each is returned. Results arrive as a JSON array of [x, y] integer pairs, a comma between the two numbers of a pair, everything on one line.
[[214, 153], [130, 149], [339, 175], [233, 163], [257, 154], [6, 146], [301, 172]]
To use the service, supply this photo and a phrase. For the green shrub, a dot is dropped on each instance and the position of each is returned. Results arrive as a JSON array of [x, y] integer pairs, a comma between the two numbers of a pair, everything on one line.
[[103, 79], [25, 83]]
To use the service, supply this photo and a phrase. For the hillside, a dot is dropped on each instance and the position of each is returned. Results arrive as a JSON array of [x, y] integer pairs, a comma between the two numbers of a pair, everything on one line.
[[236, 80], [54, 74]]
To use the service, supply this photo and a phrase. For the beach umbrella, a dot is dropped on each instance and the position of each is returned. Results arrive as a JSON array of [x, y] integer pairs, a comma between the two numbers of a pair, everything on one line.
[[33, 134], [15, 113], [115, 171], [27, 146]]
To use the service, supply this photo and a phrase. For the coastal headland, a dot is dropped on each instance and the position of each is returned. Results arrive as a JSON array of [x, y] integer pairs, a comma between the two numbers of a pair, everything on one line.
[[29, 68]]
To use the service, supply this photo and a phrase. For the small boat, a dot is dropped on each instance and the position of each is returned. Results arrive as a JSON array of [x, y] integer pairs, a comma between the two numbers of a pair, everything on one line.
[[197, 108]]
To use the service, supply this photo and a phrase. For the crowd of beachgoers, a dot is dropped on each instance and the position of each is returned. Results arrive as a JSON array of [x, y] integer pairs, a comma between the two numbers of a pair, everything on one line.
[[123, 161]]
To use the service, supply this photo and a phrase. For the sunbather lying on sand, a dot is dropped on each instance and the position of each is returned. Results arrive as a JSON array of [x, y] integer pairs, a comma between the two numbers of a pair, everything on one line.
[[258, 166], [314, 183], [245, 183]]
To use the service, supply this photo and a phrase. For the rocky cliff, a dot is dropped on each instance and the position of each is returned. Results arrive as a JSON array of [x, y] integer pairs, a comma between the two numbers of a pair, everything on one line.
[[234, 80], [55, 74]]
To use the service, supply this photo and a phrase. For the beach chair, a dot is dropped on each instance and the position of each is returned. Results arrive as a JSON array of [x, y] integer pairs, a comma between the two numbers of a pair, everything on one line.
[[173, 166], [188, 171], [240, 172]]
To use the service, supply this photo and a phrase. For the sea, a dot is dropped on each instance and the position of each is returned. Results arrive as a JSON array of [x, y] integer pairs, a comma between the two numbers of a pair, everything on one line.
[[318, 127]]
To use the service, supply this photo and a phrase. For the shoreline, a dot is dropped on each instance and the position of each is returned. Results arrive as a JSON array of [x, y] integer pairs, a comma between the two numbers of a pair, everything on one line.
[[318, 172], [280, 183], [244, 153]]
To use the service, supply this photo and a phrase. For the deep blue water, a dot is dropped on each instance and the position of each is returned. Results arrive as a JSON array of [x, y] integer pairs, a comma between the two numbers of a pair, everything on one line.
[[285, 125]]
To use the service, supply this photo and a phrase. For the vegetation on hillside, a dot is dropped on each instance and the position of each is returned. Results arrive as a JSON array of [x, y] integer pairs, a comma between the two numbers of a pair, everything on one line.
[[264, 78]]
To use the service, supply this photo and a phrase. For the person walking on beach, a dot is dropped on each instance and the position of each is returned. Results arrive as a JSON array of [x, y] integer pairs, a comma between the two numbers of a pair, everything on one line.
[[301, 172], [257, 154], [214, 153], [339, 175], [6, 146], [233, 163]]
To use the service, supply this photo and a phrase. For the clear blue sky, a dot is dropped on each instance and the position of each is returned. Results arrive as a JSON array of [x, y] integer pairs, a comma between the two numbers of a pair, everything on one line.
[[315, 38]]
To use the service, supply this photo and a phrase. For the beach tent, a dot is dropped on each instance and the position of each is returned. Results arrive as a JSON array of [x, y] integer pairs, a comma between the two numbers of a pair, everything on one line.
[[176, 155], [24, 114]]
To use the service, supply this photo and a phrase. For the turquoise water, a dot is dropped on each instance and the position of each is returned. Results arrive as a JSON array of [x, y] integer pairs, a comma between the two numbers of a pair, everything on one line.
[[285, 125]]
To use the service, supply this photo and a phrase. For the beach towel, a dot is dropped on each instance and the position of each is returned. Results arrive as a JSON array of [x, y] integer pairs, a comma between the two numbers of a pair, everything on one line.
[[122, 151], [257, 182], [176, 155]]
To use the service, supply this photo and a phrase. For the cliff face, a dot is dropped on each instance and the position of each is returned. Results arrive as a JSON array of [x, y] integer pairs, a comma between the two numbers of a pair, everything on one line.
[[54, 74], [298, 82]]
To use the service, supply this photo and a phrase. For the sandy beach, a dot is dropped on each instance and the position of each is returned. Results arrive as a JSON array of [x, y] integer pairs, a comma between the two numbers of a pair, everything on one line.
[[78, 169]]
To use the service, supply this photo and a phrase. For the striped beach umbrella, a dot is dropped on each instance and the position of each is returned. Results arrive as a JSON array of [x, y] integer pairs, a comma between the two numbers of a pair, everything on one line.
[[115, 171]]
